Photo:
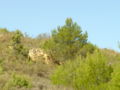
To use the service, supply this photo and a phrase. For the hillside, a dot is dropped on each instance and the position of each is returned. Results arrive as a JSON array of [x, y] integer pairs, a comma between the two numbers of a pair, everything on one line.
[[13, 64], [73, 62]]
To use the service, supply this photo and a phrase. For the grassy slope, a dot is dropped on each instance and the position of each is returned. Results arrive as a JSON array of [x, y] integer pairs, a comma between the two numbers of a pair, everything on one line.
[[11, 63], [38, 72]]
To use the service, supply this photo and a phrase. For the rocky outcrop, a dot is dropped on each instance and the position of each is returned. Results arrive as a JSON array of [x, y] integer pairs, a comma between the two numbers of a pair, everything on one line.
[[36, 53]]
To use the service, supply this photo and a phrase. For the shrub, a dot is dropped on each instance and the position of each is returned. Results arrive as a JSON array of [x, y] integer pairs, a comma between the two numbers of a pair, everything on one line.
[[84, 74], [17, 45], [18, 81], [88, 48], [114, 84], [3, 30]]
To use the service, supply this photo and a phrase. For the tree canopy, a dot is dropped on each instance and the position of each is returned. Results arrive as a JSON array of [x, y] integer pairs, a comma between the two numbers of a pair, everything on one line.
[[66, 40]]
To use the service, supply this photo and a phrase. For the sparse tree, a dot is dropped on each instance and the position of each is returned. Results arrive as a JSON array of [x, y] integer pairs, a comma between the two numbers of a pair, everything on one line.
[[66, 41]]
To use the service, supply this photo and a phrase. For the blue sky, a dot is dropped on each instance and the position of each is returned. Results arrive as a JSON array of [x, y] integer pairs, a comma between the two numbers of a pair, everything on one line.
[[100, 18]]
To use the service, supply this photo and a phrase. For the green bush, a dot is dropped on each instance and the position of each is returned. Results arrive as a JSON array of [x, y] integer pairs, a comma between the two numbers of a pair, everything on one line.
[[114, 84], [18, 80], [88, 48], [17, 45], [3, 30], [84, 74], [21, 81]]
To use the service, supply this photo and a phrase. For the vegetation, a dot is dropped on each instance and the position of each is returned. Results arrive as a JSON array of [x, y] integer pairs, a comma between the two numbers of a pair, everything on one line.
[[84, 74], [17, 45], [66, 41], [77, 64], [18, 81]]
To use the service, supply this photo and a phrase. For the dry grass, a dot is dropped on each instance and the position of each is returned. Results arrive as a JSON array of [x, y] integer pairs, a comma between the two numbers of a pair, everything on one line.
[[14, 63]]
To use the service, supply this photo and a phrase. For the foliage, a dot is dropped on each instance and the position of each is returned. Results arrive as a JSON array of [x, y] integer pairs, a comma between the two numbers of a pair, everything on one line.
[[17, 37], [18, 81], [88, 48], [84, 74], [83, 69], [3, 30], [17, 45], [114, 84], [21, 81], [66, 41]]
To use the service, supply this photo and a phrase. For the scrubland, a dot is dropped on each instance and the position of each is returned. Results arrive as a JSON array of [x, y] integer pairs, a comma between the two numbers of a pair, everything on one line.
[[76, 63]]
